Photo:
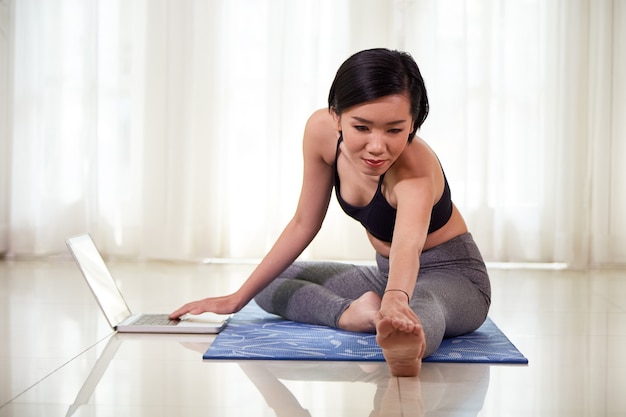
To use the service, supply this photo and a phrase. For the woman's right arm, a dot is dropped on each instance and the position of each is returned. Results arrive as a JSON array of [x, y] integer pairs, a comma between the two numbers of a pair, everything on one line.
[[315, 196]]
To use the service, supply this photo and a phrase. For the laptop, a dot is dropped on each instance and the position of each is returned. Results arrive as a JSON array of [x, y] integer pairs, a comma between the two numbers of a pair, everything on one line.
[[115, 308]]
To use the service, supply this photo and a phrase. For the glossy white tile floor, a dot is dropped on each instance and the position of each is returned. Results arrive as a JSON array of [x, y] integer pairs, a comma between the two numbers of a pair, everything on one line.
[[59, 358]]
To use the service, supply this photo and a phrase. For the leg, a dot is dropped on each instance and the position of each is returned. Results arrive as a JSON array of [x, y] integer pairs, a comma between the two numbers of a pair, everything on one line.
[[451, 297], [453, 293], [319, 292], [448, 306]]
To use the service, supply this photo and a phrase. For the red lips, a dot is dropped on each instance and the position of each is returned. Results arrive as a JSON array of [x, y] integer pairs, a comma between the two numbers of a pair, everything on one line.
[[374, 163]]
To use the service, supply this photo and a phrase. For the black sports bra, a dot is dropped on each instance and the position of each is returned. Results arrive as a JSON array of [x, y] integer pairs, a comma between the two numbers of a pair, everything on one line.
[[379, 217]]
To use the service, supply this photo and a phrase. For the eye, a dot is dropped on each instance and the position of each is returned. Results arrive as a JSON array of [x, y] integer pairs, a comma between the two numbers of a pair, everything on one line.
[[361, 128], [395, 131]]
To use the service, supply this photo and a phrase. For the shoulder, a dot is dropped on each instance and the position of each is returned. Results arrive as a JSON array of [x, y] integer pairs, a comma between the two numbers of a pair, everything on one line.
[[416, 172], [321, 118], [418, 160], [321, 135], [322, 125]]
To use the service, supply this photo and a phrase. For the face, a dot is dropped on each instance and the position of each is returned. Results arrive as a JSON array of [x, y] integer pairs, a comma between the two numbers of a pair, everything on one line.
[[376, 132]]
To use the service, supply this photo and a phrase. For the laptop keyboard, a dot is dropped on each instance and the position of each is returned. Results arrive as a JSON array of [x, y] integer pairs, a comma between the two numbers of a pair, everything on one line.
[[155, 320]]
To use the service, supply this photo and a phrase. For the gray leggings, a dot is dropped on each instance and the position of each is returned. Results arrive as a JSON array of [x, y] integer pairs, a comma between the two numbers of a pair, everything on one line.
[[451, 297]]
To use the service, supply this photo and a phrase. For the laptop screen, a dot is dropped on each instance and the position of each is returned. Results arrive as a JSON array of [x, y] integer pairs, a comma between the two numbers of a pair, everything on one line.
[[99, 279]]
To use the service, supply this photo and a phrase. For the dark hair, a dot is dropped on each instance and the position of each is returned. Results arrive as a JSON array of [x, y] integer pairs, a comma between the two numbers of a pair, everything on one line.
[[375, 73]]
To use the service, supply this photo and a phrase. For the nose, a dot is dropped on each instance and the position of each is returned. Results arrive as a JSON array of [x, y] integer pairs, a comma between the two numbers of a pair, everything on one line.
[[375, 145]]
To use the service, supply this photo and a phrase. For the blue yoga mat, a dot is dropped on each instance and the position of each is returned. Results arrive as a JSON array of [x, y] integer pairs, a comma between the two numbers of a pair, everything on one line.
[[254, 334]]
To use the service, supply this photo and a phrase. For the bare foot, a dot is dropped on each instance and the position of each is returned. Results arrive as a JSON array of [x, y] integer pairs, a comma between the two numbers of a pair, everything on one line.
[[361, 314], [403, 350]]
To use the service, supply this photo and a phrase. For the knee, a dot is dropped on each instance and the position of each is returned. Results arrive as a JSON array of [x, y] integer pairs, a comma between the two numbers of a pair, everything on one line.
[[434, 337], [275, 297], [433, 322], [263, 300], [435, 330]]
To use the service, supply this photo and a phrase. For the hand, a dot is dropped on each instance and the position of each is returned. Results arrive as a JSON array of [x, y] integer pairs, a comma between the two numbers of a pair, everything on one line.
[[394, 307], [401, 336], [220, 305]]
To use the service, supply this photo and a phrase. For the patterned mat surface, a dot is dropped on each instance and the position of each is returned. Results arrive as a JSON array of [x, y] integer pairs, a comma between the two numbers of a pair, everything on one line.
[[254, 334]]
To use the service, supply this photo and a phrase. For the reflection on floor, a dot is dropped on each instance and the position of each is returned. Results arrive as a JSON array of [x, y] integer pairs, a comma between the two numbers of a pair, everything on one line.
[[60, 358]]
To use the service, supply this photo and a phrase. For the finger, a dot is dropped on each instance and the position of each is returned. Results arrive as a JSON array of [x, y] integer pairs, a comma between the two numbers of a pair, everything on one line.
[[401, 325], [407, 326], [418, 330], [180, 312], [176, 314]]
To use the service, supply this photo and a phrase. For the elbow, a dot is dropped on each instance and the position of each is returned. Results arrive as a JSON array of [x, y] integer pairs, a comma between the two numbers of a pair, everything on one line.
[[305, 228]]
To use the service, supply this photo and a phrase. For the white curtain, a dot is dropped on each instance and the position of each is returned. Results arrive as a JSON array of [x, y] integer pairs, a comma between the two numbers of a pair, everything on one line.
[[5, 119], [172, 129]]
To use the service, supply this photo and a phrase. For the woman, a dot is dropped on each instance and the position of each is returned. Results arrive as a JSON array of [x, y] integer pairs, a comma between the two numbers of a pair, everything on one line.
[[430, 281]]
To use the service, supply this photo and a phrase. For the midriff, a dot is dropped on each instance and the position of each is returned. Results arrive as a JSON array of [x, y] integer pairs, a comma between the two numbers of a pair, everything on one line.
[[454, 227]]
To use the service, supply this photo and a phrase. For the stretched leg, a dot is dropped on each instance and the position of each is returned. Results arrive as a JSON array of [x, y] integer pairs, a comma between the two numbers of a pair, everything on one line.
[[452, 294], [451, 297], [446, 306]]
